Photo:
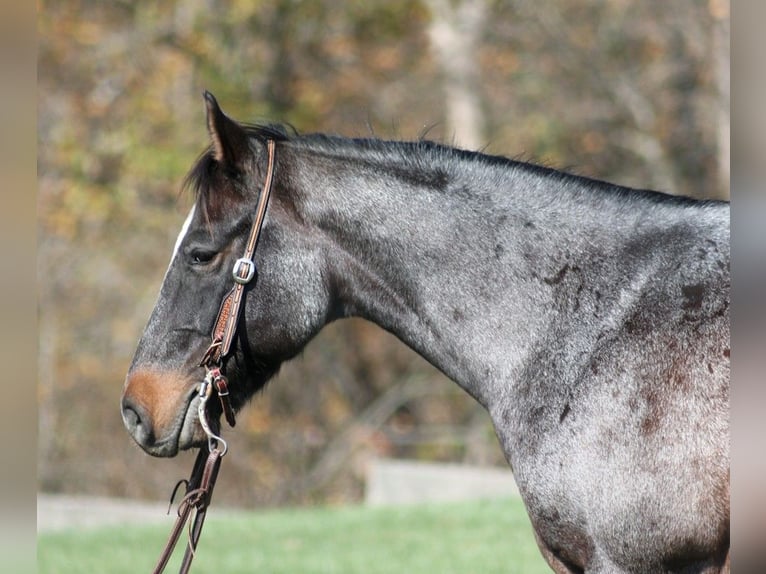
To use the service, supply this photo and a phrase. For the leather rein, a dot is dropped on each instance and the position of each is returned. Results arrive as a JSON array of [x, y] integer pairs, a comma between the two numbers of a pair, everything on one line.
[[199, 487]]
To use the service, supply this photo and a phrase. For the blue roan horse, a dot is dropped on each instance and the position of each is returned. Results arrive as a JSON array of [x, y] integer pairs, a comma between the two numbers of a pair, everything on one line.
[[590, 320]]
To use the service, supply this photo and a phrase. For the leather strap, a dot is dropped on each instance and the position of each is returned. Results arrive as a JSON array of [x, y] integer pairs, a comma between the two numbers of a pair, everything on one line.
[[228, 315], [221, 386], [225, 326], [252, 243], [199, 493], [199, 487]]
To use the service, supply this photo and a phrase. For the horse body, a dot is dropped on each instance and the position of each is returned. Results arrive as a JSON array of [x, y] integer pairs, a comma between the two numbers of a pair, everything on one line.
[[598, 342], [590, 320]]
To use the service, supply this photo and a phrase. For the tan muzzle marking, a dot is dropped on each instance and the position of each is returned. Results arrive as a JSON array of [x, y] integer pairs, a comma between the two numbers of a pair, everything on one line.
[[162, 395]]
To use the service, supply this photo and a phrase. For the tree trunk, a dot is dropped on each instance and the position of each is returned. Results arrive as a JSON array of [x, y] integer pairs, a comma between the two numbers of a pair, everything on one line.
[[454, 33]]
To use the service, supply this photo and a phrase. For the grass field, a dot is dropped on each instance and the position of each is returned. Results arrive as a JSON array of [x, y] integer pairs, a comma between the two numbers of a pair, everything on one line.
[[462, 538]]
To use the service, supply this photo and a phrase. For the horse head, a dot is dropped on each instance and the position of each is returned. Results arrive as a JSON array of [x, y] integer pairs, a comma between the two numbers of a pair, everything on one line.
[[283, 307]]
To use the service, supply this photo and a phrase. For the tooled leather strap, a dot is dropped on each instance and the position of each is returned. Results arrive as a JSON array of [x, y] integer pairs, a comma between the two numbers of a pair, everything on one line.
[[244, 268], [199, 493], [243, 272]]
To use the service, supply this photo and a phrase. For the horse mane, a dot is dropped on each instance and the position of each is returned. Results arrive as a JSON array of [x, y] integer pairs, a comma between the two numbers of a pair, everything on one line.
[[421, 161], [432, 163]]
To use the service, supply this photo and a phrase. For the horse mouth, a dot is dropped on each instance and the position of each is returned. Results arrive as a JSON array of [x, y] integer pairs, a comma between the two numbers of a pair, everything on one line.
[[188, 433], [160, 410]]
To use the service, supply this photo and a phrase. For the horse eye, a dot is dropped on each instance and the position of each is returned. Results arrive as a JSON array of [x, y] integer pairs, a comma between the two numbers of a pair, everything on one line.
[[201, 257]]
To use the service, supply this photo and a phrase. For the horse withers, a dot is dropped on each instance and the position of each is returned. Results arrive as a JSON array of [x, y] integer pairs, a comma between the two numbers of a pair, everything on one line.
[[589, 319]]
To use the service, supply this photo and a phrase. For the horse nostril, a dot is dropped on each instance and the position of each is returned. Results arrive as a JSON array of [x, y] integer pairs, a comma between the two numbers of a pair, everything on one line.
[[137, 422], [131, 417]]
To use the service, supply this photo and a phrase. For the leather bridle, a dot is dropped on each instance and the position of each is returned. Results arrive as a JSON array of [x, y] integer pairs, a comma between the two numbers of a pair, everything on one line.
[[199, 487], [228, 315]]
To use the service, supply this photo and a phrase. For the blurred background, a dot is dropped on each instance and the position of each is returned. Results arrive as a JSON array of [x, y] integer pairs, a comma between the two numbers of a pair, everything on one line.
[[633, 92]]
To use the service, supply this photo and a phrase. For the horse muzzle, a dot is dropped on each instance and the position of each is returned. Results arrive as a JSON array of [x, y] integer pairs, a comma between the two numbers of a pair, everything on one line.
[[159, 410]]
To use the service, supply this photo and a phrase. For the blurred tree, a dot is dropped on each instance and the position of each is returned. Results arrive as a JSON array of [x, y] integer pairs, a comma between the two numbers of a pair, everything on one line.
[[455, 32]]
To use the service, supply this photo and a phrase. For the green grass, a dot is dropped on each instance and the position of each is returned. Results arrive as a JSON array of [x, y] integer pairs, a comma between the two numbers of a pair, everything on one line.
[[463, 538]]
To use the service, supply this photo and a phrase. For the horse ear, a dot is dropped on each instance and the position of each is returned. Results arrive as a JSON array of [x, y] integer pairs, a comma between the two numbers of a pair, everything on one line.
[[231, 144]]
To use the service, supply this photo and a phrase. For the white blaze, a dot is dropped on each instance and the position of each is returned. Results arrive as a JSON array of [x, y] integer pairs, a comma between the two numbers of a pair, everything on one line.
[[181, 235]]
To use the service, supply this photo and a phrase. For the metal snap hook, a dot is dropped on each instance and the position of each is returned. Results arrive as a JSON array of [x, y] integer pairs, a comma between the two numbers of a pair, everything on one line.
[[205, 391]]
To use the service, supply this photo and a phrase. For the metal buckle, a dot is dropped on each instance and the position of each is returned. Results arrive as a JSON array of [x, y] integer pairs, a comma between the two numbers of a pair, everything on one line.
[[236, 272]]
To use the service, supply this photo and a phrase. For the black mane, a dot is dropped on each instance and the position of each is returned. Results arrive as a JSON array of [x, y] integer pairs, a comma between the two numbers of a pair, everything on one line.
[[421, 160]]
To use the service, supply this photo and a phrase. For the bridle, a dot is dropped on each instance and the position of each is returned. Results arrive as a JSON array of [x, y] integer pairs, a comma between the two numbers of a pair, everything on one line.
[[228, 314], [199, 487]]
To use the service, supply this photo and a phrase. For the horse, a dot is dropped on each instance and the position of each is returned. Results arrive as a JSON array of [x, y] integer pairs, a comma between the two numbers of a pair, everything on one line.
[[590, 320]]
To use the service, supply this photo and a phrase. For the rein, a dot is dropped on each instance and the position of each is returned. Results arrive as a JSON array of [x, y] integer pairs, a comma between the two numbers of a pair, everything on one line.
[[199, 486]]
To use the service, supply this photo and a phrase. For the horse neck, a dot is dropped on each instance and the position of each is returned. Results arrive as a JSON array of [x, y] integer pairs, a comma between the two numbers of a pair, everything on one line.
[[466, 263]]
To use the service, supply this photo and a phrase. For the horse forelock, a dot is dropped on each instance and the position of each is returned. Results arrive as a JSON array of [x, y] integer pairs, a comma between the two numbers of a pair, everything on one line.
[[208, 186]]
